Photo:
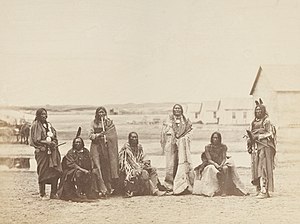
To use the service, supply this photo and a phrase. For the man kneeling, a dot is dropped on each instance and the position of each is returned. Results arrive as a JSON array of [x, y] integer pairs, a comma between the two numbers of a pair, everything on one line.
[[137, 177]]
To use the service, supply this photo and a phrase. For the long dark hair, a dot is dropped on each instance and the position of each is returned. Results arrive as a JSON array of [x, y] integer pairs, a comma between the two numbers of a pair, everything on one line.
[[218, 134], [97, 117], [260, 104], [131, 133], [80, 140], [263, 110], [38, 114], [177, 104]]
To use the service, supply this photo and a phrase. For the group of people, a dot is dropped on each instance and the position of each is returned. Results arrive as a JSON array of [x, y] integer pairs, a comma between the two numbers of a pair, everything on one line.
[[104, 170]]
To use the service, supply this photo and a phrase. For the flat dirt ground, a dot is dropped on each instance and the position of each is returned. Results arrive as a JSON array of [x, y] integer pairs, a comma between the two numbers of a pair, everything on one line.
[[20, 203]]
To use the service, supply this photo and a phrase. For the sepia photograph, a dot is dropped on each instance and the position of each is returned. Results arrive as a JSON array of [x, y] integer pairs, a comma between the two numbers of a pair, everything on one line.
[[149, 111]]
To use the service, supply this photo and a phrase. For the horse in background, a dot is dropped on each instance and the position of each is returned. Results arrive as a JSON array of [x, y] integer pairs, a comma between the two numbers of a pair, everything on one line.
[[24, 132]]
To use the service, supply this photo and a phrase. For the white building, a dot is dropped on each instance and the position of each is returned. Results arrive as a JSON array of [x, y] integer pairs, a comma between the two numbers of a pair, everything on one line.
[[192, 111], [236, 111], [209, 112]]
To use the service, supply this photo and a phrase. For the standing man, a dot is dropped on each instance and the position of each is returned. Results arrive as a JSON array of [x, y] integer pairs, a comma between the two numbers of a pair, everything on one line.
[[43, 138], [104, 153], [261, 146], [175, 141]]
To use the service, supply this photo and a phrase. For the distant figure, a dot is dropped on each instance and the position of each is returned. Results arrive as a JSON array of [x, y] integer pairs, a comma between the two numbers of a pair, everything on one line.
[[43, 139], [24, 132], [76, 179], [137, 176], [104, 152], [217, 174], [261, 146], [175, 141], [17, 131]]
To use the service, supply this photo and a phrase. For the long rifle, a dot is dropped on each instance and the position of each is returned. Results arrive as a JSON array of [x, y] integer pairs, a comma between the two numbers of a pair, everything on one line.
[[61, 144], [49, 150], [185, 132]]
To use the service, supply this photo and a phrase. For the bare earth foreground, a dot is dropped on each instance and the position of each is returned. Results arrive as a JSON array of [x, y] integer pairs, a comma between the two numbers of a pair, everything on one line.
[[20, 203]]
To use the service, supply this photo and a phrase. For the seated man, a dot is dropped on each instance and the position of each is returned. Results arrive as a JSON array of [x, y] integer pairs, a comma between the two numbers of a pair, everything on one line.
[[137, 177], [217, 174], [76, 178]]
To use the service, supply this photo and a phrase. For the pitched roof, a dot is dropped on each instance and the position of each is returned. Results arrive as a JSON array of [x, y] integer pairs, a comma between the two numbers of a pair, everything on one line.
[[193, 107], [245, 103], [281, 77], [211, 105]]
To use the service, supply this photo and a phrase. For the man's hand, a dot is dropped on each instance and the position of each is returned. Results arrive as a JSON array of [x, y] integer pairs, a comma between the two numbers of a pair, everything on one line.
[[146, 163], [100, 135], [249, 149], [85, 171], [218, 167], [51, 144], [138, 171], [186, 167]]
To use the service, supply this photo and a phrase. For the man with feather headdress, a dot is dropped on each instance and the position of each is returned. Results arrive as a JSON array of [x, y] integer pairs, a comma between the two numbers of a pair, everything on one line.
[[262, 147]]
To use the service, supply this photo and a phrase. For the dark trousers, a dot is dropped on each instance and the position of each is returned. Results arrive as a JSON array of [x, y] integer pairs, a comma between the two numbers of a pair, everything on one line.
[[42, 187]]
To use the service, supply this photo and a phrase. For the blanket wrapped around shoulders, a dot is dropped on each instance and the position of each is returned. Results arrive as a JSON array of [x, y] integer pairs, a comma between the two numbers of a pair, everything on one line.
[[175, 141], [48, 165]]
